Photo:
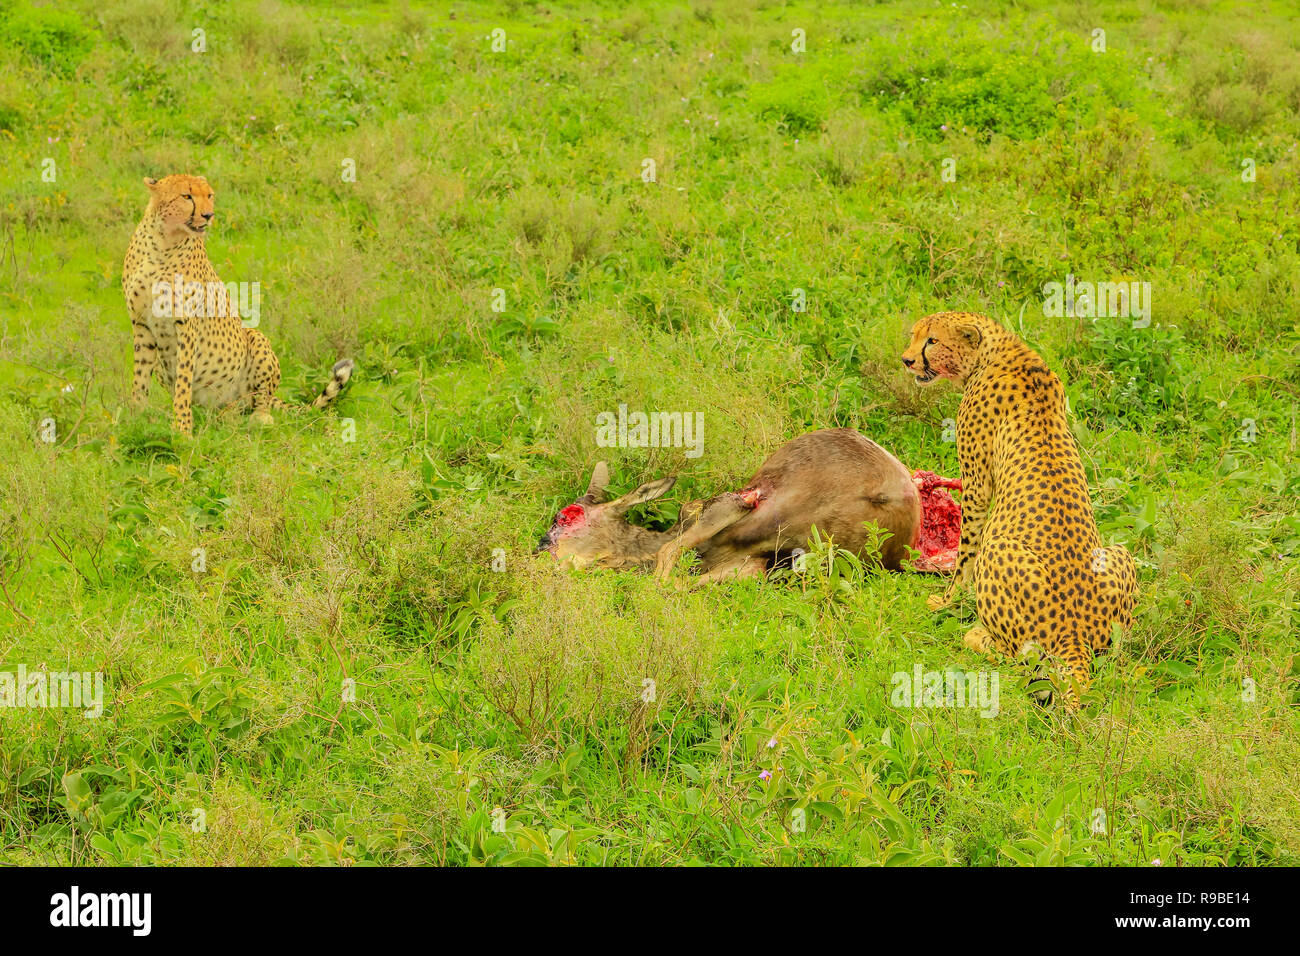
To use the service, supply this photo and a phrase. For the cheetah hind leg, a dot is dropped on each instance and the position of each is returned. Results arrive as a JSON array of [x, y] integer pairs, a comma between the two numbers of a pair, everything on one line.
[[1117, 579], [1040, 673], [1004, 598], [263, 376], [1075, 675], [1072, 676], [978, 639]]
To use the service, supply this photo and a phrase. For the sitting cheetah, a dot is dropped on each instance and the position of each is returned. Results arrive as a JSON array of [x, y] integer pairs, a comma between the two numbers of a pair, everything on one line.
[[1040, 574], [184, 322]]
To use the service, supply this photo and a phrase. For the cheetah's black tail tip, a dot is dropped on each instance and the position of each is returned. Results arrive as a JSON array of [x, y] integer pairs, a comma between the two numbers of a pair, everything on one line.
[[341, 374]]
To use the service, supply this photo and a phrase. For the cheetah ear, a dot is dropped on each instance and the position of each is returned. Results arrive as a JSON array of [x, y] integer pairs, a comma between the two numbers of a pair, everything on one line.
[[970, 334], [150, 182]]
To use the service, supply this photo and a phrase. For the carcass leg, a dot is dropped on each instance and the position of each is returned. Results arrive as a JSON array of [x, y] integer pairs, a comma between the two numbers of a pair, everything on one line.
[[699, 526]]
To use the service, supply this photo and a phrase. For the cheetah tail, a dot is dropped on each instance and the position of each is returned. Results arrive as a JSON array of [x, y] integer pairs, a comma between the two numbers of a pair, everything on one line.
[[342, 374]]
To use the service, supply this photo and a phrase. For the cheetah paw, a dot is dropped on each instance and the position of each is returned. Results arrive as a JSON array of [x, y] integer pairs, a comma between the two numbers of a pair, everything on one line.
[[936, 602], [261, 418], [977, 639]]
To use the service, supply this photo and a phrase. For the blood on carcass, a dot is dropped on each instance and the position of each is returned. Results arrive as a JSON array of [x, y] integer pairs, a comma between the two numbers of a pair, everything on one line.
[[939, 532], [571, 516]]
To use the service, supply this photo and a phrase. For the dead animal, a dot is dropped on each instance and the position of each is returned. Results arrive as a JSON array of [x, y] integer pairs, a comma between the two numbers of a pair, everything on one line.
[[835, 480]]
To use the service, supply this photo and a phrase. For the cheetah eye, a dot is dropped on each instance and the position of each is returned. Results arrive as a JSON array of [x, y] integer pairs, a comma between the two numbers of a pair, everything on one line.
[[187, 196], [932, 342]]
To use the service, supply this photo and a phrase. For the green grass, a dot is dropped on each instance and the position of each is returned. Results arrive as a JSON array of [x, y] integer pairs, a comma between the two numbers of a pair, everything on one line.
[[371, 560]]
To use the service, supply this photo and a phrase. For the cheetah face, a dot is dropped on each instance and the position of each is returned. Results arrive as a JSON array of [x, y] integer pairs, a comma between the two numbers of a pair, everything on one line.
[[185, 203], [942, 348]]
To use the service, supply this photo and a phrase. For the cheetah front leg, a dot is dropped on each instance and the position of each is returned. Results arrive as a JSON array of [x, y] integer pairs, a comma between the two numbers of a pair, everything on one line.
[[183, 388], [144, 360]]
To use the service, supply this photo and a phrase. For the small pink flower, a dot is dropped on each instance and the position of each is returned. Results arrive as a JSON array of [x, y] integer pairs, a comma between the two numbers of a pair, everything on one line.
[[771, 743], [765, 775]]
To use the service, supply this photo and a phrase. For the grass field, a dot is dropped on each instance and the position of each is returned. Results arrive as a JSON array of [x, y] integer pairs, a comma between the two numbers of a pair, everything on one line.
[[868, 162]]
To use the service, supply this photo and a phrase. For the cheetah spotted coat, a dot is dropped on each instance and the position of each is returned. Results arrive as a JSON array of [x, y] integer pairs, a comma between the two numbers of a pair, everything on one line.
[[1040, 573], [196, 344]]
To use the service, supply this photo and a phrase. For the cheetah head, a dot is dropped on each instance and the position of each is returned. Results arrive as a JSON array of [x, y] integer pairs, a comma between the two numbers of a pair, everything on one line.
[[185, 203], [945, 345]]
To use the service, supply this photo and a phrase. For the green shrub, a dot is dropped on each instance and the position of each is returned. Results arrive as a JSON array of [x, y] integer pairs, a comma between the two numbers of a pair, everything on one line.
[[797, 99], [1145, 372], [944, 80], [53, 37]]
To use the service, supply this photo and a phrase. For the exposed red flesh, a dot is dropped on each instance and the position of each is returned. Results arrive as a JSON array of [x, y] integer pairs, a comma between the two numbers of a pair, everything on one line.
[[574, 516], [571, 518], [939, 532], [750, 496]]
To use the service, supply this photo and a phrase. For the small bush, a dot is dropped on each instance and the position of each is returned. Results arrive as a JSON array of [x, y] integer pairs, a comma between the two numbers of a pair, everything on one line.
[[55, 38], [797, 100]]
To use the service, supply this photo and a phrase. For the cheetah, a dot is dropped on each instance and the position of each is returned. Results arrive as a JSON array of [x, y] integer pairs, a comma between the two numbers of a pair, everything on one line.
[[186, 328], [1041, 576]]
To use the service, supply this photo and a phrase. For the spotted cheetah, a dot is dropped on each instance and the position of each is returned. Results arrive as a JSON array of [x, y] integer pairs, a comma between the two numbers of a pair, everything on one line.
[[186, 327], [1041, 577]]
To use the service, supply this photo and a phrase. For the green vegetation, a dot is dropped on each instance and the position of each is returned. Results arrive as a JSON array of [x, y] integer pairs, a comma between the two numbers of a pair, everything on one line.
[[326, 561]]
